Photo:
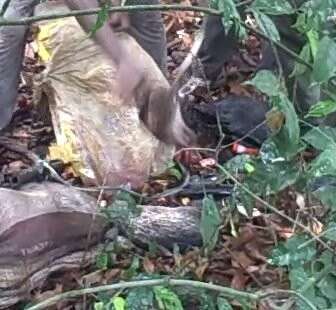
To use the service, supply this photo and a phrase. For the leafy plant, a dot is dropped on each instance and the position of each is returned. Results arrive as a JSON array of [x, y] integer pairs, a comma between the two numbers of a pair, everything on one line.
[[210, 222]]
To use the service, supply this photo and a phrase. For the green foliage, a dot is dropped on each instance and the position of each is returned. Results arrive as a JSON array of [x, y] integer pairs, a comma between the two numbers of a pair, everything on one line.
[[102, 17], [324, 164], [103, 260], [273, 7], [266, 25], [325, 62], [167, 299], [321, 137], [288, 138], [306, 55], [311, 276], [210, 222], [114, 303], [311, 273], [223, 304], [231, 18], [291, 253], [140, 298], [123, 208], [266, 82], [322, 108]]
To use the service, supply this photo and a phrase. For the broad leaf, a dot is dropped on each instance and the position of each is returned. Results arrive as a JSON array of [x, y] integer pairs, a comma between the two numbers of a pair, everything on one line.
[[230, 16], [321, 137], [325, 63], [313, 38], [322, 109], [273, 7], [330, 232], [140, 298], [300, 281], [272, 178], [306, 55], [327, 195], [103, 260], [119, 303], [223, 304], [210, 222], [207, 302], [167, 299], [291, 253], [266, 25], [324, 164], [327, 287], [266, 82], [288, 138]]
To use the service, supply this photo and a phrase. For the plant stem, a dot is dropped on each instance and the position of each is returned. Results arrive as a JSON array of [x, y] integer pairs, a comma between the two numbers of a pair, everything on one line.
[[229, 292], [136, 8], [225, 291], [274, 209]]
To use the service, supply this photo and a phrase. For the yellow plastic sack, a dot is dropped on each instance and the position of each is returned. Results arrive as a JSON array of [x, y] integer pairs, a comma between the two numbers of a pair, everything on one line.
[[103, 138]]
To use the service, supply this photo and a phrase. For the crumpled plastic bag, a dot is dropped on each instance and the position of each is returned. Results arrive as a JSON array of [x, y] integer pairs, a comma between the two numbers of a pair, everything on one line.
[[44, 227], [103, 137]]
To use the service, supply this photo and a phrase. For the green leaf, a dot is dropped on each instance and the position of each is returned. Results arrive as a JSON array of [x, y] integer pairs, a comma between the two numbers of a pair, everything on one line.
[[300, 279], [325, 63], [132, 271], [306, 55], [266, 82], [324, 164], [119, 303], [207, 302], [273, 7], [99, 306], [327, 195], [102, 17], [230, 17], [321, 137], [140, 298], [313, 38], [327, 287], [210, 222], [330, 233], [237, 163], [175, 173], [102, 260], [288, 138], [322, 109], [223, 304], [266, 25], [167, 299], [272, 178], [291, 253]]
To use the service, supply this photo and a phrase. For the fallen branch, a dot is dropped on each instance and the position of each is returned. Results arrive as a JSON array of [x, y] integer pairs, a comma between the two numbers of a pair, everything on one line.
[[225, 291]]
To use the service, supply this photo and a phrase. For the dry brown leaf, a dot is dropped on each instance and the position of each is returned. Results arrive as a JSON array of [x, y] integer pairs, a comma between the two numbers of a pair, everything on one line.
[[239, 280], [148, 265], [241, 260]]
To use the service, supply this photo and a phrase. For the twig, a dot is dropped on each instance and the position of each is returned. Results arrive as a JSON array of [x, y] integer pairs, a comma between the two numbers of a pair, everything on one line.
[[226, 291], [136, 8], [273, 209], [126, 8]]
